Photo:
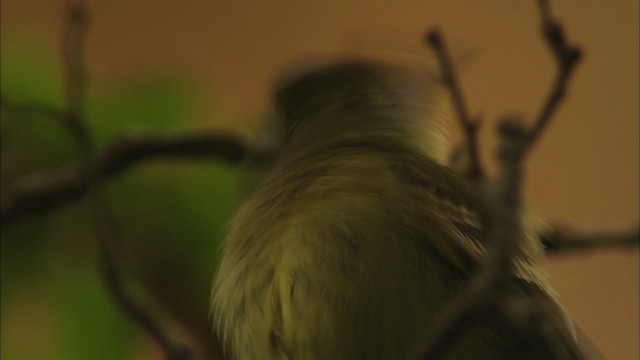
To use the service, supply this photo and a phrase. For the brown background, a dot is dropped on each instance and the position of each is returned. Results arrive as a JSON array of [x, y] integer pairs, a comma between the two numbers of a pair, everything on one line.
[[583, 173]]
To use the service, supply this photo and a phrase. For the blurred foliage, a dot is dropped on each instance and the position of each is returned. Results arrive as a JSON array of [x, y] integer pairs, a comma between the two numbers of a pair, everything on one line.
[[172, 218]]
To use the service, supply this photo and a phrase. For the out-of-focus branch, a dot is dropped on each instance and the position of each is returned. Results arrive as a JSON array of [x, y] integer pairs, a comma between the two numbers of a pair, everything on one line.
[[566, 57], [40, 193], [504, 229], [561, 240], [469, 126], [37, 108], [499, 206], [105, 222]]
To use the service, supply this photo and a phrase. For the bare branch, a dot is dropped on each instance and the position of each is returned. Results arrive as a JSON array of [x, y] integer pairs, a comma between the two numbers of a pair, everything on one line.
[[469, 125], [106, 226], [566, 56], [107, 231], [499, 206], [40, 193], [37, 108], [72, 52], [562, 240]]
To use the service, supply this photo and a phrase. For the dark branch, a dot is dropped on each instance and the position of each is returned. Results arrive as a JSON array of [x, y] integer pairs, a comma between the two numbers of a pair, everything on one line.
[[469, 126], [107, 232], [566, 57], [75, 76], [40, 193], [561, 240], [504, 221], [37, 108], [499, 206], [105, 222]]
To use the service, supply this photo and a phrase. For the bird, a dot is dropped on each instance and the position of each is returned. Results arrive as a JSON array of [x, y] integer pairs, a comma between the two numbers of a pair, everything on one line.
[[360, 233]]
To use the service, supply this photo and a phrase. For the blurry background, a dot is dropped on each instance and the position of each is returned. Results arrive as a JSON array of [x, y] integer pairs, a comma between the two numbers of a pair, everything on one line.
[[193, 63]]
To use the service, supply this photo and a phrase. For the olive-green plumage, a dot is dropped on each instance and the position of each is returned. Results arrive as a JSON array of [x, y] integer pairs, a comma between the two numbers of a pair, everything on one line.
[[359, 234]]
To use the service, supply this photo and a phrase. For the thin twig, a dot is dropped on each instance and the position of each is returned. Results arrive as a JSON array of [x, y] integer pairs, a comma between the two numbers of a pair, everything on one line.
[[469, 125], [504, 220], [75, 73], [566, 57], [36, 108], [40, 193], [107, 229], [499, 205], [561, 240]]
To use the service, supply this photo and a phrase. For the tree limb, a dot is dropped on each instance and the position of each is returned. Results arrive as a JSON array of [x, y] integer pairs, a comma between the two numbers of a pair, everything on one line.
[[40, 193], [469, 126], [105, 222], [566, 57], [499, 206], [561, 240]]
